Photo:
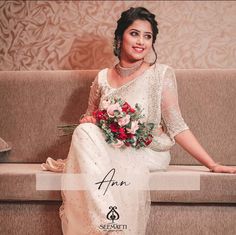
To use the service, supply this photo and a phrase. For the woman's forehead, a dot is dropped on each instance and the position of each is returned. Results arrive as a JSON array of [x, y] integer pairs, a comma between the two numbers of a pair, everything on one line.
[[141, 25]]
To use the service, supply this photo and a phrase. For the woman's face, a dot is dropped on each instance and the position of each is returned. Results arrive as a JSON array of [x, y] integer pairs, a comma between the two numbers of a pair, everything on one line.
[[137, 41]]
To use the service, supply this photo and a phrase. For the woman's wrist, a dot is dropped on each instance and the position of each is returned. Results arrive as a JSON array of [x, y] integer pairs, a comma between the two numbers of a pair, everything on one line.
[[82, 116], [212, 166]]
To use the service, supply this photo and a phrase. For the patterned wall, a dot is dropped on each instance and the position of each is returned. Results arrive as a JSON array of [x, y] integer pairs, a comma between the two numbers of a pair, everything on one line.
[[52, 35]]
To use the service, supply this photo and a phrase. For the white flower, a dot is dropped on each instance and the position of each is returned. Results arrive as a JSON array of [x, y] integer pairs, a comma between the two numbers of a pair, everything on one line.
[[124, 120], [111, 108], [134, 127], [105, 104]]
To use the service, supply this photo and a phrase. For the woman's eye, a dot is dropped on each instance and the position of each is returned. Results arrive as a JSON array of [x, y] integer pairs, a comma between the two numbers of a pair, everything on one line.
[[133, 33], [148, 36]]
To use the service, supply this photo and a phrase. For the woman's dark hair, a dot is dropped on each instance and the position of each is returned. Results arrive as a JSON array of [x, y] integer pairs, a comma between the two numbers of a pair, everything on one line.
[[127, 18]]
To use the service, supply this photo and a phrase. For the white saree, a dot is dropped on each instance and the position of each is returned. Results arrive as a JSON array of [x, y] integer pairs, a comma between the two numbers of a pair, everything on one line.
[[85, 211]]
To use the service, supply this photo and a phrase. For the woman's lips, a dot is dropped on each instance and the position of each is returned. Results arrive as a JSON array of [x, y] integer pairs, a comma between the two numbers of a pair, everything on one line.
[[138, 49]]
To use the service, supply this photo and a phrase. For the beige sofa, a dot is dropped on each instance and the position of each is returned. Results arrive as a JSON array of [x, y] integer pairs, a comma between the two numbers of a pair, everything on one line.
[[33, 103]]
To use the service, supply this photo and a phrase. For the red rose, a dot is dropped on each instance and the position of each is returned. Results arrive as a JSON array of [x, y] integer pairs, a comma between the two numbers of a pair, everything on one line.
[[130, 135], [148, 140], [122, 135], [114, 127], [121, 130], [126, 107], [100, 115], [132, 110]]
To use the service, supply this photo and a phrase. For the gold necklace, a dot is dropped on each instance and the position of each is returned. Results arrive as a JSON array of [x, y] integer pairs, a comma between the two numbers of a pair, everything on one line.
[[127, 71]]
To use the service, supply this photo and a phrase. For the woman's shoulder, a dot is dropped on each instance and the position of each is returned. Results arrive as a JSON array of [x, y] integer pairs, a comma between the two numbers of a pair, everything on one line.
[[102, 72], [164, 69], [162, 66], [101, 76]]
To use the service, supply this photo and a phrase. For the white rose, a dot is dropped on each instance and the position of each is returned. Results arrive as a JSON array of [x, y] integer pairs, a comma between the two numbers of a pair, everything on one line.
[[124, 120], [105, 104], [134, 127], [111, 108]]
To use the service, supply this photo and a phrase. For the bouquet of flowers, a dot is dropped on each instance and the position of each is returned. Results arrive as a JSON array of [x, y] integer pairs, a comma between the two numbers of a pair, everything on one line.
[[121, 124]]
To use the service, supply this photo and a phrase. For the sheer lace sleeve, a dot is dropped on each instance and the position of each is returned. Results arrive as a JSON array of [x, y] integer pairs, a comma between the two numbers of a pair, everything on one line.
[[171, 113], [94, 97]]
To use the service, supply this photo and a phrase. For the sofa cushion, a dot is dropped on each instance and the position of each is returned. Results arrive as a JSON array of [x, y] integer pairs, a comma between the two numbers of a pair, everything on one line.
[[33, 103], [18, 182]]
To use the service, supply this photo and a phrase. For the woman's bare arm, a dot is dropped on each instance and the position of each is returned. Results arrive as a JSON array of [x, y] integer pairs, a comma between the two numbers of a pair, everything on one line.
[[188, 141]]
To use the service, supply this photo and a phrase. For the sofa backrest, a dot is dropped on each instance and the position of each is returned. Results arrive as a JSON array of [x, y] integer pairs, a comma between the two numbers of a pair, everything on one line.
[[33, 103]]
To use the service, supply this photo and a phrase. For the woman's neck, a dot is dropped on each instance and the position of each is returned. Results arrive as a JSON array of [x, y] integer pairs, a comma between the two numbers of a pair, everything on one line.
[[129, 64], [127, 71]]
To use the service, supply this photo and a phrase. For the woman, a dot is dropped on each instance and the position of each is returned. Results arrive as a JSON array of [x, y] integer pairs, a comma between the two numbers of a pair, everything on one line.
[[136, 81]]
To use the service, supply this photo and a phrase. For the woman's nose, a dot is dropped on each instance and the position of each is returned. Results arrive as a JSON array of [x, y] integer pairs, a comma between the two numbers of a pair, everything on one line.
[[140, 41]]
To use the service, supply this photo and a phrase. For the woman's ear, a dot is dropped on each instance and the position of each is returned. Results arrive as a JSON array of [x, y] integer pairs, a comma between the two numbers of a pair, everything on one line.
[[117, 46]]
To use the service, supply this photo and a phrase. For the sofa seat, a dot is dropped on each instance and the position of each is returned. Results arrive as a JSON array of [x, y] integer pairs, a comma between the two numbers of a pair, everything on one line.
[[178, 184]]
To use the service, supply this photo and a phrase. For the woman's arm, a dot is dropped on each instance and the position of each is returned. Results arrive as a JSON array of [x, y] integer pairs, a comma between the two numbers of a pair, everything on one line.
[[178, 129], [188, 142], [93, 102]]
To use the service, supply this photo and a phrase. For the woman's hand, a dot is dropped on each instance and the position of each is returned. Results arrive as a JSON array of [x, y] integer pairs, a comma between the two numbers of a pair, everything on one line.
[[90, 119], [223, 169]]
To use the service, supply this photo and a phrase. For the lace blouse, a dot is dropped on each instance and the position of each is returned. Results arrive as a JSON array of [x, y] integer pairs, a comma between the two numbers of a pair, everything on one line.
[[156, 90]]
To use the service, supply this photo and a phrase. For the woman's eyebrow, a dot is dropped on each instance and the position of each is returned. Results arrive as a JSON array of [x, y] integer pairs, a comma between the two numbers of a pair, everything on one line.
[[139, 31]]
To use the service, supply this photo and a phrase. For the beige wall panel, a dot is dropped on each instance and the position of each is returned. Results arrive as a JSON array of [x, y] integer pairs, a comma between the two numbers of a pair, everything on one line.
[[53, 35]]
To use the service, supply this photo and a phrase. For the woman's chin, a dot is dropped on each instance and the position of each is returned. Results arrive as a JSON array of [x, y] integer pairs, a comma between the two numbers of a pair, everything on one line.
[[137, 58]]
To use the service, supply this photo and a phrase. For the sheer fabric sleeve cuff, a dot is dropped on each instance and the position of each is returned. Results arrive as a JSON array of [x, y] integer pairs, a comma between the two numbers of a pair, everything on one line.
[[94, 98], [171, 113]]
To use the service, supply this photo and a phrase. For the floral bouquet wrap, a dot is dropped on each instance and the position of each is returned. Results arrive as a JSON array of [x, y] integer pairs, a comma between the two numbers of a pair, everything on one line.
[[121, 124]]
